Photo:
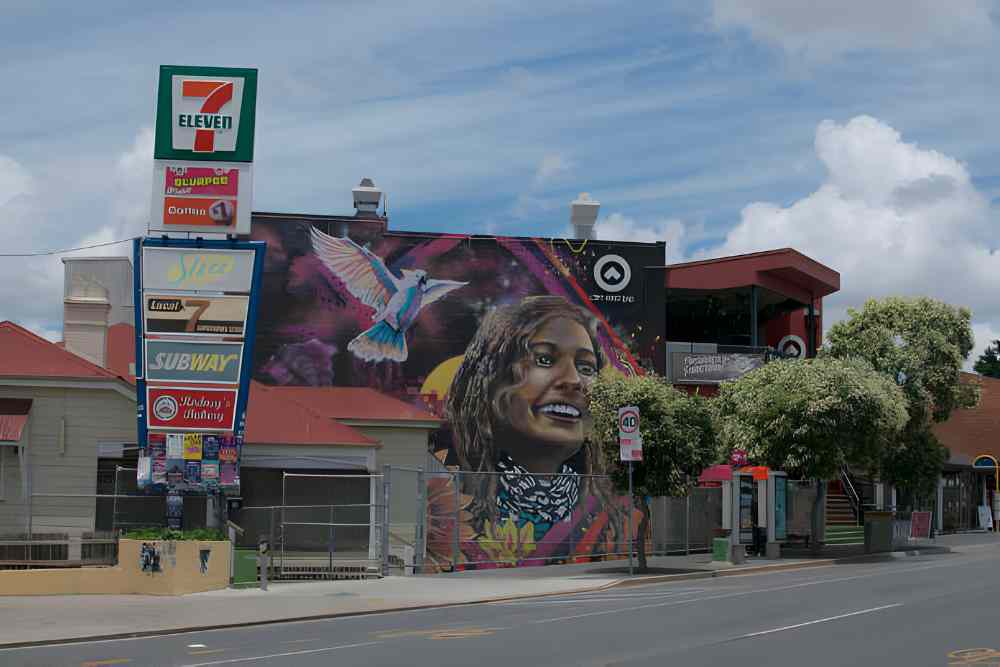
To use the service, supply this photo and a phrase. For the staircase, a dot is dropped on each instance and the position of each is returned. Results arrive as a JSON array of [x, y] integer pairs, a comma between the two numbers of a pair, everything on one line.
[[841, 523]]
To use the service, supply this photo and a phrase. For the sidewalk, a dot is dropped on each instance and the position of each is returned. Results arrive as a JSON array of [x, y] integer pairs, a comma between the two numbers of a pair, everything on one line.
[[44, 619]]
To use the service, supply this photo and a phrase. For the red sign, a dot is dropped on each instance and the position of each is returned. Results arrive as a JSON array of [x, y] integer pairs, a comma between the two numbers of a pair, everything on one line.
[[199, 212], [205, 181], [920, 524], [189, 409]]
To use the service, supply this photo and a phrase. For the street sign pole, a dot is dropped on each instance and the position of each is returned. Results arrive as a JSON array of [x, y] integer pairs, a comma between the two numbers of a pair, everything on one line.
[[630, 503]]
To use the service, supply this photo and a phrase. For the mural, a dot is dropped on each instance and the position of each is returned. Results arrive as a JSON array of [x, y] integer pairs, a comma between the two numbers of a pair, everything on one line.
[[501, 338]]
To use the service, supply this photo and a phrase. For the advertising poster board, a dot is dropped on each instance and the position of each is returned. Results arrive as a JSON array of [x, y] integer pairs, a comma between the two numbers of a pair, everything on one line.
[[197, 269], [195, 314], [191, 409], [170, 361]]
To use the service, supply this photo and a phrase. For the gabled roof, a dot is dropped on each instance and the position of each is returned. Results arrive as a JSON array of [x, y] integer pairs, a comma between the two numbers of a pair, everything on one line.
[[357, 404], [274, 418], [968, 433], [26, 355], [785, 270]]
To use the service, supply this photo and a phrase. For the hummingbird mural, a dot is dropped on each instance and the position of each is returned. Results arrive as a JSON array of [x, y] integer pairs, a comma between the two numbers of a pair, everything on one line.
[[396, 300]]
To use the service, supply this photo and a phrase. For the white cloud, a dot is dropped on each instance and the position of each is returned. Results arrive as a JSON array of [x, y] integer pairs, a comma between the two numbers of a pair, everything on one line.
[[618, 227], [551, 167], [72, 202], [822, 29], [893, 218]]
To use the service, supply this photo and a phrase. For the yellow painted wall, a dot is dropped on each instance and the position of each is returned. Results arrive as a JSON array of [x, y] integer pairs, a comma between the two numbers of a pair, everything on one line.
[[179, 561]]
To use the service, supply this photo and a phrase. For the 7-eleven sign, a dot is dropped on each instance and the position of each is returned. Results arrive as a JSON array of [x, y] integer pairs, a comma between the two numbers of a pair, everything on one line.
[[205, 113]]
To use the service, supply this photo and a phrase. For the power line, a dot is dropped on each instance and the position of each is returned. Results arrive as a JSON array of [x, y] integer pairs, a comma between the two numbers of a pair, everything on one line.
[[65, 251]]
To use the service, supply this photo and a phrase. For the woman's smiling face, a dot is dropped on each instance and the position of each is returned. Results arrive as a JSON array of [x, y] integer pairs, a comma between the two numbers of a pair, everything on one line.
[[551, 407]]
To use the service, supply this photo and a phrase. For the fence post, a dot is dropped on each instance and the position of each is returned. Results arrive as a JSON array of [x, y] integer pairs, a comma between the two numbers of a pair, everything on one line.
[[386, 497], [270, 561], [687, 523], [420, 541], [114, 503], [455, 543]]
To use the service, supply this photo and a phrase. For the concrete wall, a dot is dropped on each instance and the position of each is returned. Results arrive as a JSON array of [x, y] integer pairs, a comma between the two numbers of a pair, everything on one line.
[[62, 464], [180, 564]]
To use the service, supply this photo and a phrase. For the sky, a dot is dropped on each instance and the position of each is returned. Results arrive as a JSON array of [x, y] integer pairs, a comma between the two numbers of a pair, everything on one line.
[[861, 133]]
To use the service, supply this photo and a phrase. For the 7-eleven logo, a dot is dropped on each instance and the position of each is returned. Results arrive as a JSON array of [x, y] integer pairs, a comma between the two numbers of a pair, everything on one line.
[[206, 113]]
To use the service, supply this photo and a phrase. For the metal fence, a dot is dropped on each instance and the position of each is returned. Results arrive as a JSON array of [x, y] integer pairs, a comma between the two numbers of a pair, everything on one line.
[[686, 525]]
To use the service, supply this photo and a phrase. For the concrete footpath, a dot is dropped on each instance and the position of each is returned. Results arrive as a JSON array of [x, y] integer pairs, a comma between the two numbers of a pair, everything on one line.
[[50, 619]]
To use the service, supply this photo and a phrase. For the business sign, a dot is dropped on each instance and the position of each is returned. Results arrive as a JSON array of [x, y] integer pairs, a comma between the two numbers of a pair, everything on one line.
[[711, 367], [191, 269], [205, 113], [179, 361], [182, 314], [190, 409], [920, 524], [629, 436], [213, 198]]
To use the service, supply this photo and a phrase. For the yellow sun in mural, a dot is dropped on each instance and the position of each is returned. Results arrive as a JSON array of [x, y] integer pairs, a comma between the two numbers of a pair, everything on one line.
[[439, 380]]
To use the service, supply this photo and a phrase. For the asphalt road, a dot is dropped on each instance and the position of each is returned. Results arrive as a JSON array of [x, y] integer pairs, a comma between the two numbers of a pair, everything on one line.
[[927, 610]]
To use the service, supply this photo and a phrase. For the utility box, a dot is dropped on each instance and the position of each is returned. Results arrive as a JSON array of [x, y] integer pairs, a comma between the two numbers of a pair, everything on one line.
[[720, 549], [878, 532], [245, 567]]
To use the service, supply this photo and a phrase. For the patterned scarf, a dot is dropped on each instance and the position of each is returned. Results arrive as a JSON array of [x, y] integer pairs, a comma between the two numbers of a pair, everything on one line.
[[540, 500]]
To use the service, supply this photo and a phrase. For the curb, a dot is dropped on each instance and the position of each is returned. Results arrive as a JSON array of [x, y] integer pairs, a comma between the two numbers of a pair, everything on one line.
[[618, 583]]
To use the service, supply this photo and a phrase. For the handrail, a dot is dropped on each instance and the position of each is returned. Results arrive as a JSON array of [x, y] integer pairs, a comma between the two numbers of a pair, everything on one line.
[[852, 494]]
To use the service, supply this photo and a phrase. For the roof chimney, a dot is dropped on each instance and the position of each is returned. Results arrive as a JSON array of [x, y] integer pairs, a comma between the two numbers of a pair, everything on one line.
[[583, 215], [366, 199]]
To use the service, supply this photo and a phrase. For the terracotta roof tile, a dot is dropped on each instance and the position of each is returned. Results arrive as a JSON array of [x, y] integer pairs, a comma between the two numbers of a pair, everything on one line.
[[24, 354], [274, 418], [360, 403]]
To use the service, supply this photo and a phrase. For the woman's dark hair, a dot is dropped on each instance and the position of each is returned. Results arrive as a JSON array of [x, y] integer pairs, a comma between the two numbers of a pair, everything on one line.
[[494, 367]]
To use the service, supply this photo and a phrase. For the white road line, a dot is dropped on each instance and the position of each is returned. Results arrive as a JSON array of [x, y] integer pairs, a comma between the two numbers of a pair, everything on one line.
[[672, 603], [197, 646], [281, 655], [819, 620], [522, 603]]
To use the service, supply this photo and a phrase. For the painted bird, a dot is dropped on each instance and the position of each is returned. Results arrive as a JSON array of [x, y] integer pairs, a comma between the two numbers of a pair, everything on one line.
[[396, 301]]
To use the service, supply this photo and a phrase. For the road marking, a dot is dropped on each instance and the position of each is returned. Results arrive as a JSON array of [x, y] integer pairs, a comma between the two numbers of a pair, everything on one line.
[[606, 598], [109, 661], [197, 646], [464, 633], [671, 603], [207, 651], [820, 620], [974, 656], [281, 655], [299, 641]]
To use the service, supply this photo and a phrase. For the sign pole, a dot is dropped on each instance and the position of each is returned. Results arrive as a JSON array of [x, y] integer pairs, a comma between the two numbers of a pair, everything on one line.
[[630, 503]]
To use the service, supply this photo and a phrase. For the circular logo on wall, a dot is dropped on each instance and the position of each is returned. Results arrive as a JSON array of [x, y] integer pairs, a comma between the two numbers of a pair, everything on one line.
[[792, 347], [612, 273], [165, 408]]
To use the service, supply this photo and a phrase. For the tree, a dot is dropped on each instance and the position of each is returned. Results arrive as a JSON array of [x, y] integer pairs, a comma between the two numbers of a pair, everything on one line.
[[678, 439], [921, 344], [989, 361], [810, 417]]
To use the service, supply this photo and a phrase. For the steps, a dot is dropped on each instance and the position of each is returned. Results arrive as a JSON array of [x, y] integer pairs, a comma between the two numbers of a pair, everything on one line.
[[839, 511], [840, 535]]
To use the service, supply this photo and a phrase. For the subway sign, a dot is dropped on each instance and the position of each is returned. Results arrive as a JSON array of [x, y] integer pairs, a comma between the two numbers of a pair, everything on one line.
[[205, 113]]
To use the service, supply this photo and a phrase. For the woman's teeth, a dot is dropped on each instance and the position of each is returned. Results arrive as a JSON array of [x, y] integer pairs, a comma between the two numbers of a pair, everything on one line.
[[560, 409]]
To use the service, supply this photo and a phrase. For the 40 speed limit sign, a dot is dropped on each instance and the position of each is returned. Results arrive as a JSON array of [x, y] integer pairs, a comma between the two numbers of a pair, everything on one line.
[[629, 437]]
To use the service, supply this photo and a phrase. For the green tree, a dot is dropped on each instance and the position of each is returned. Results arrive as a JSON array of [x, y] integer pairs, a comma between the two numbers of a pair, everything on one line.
[[810, 417], [989, 361], [678, 439], [921, 344]]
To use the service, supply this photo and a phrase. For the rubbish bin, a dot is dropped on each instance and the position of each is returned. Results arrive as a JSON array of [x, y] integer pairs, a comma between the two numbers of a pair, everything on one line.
[[878, 532]]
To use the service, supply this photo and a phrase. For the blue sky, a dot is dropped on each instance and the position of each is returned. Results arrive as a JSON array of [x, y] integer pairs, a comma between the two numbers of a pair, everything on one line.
[[861, 134]]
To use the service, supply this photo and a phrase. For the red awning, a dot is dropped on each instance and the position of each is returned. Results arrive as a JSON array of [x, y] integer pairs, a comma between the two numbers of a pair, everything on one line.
[[13, 417], [718, 473], [760, 473]]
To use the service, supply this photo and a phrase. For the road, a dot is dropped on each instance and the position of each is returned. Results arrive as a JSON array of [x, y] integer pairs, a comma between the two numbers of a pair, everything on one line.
[[926, 610]]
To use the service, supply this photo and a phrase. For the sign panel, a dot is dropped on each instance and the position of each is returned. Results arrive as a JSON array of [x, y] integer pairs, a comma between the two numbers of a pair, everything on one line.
[[190, 409], [195, 314], [176, 361], [199, 197], [711, 367], [920, 524], [629, 437], [205, 113], [188, 269], [780, 508], [985, 517], [984, 461]]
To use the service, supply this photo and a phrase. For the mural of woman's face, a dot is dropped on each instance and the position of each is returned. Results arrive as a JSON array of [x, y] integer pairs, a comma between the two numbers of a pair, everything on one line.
[[551, 408]]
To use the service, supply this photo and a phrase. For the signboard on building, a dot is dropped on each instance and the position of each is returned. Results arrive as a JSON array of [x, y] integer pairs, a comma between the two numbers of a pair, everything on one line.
[[191, 409], [205, 113], [712, 367], [195, 362], [195, 314], [193, 268], [213, 198]]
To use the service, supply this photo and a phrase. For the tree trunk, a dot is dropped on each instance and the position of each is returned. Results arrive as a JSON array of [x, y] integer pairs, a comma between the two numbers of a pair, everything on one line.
[[643, 529]]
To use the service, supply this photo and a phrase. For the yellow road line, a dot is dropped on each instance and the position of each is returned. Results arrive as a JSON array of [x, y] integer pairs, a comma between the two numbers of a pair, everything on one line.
[[109, 661]]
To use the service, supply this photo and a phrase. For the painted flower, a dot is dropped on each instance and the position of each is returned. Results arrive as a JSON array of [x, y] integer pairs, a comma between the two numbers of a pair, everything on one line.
[[505, 543], [442, 506]]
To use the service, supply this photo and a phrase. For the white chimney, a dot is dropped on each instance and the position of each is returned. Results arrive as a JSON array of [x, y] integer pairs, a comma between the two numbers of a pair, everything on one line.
[[583, 216], [366, 198], [97, 293]]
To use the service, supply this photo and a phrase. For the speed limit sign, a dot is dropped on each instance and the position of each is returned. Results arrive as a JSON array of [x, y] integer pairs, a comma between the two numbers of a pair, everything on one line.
[[629, 437]]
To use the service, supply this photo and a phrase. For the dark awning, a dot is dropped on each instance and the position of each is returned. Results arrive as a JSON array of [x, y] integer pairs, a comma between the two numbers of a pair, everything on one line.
[[13, 417]]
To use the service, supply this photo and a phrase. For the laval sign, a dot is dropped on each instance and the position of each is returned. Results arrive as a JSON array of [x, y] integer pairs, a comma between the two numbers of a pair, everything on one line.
[[202, 173]]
